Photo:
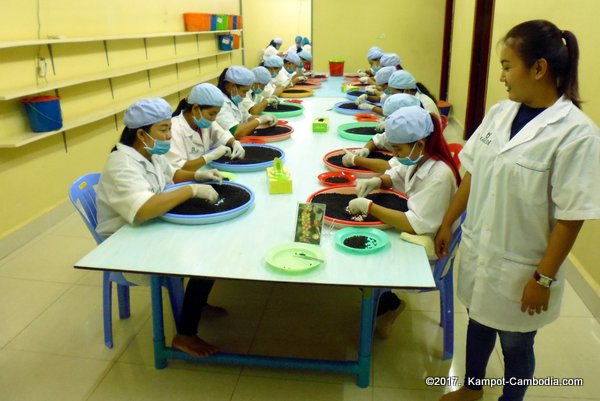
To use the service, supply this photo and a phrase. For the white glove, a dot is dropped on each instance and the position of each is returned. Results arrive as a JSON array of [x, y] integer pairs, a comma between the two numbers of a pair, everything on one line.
[[204, 191], [301, 79], [364, 187], [371, 90], [363, 80], [362, 152], [366, 106], [272, 101], [380, 126], [359, 206], [216, 153], [208, 175], [267, 119], [238, 150], [348, 158], [361, 99], [361, 73]]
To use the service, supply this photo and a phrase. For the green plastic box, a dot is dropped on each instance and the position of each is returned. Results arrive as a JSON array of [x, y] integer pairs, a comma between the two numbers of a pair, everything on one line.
[[320, 124]]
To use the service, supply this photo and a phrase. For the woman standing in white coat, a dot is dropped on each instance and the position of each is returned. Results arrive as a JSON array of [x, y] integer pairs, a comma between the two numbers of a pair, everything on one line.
[[532, 179], [195, 131]]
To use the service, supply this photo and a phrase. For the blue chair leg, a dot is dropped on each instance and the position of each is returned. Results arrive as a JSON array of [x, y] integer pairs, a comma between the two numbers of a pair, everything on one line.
[[174, 286], [448, 324], [107, 309], [123, 297]]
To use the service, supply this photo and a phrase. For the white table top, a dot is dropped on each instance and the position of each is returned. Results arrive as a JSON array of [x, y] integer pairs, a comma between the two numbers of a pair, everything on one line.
[[235, 249]]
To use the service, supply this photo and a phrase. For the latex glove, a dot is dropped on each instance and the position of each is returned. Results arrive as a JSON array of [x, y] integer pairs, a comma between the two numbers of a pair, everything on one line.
[[348, 158], [361, 73], [208, 175], [371, 90], [267, 119], [217, 152], [238, 150], [362, 152], [361, 99], [204, 191], [359, 206], [301, 79], [272, 101], [364, 187], [363, 80], [366, 106], [380, 126]]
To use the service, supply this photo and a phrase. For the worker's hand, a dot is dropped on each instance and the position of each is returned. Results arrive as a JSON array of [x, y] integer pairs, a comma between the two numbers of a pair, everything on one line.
[[364, 187], [442, 240], [361, 73], [362, 152], [204, 191], [361, 99], [267, 119], [273, 101], [301, 79], [380, 126], [348, 158], [217, 153], [363, 80], [359, 206], [238, 151], [208, 175], [535, 298], [372, 90], [366, 106]]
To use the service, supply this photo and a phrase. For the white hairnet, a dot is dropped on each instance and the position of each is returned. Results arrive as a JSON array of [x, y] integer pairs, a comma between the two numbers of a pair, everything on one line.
[[390, 59], [278, 41], [397, 101], [261, 75], [374, 53], [239, 76], [292, 57], [402, 80], [274, 62], [147, 112], [206, 95], [383, 75], [305, 55], [408, 125]]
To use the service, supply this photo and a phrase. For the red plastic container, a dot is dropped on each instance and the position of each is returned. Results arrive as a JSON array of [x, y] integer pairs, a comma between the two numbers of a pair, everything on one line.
[[336, 68]]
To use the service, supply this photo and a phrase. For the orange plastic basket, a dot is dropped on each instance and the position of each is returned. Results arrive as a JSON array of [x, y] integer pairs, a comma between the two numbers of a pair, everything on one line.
[[196, 22]]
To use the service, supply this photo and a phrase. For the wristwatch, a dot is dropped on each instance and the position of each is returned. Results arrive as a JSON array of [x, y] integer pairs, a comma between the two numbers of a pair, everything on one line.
[[542, 280]]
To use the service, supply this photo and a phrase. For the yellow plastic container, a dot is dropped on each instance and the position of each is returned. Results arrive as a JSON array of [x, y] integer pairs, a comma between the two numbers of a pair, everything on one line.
[[279, 178]]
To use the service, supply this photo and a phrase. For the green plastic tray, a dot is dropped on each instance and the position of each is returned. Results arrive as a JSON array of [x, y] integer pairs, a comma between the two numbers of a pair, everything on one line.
[[285, 114], [342, 130], [379, 238], [295, 257]]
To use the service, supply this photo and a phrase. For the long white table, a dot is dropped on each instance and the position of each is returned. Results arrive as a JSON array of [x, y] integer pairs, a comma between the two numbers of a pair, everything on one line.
[[235, 249]]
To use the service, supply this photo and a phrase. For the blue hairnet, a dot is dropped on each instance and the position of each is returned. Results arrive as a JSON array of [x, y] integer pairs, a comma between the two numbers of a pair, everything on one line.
[[305, 41], [374, 53], [292, 57], [261, 75], [390, 59], [206, 95], [303, 54], [397, 101], [147, 112], [239, 76], [402, 80], [273, 62], [298, 39], [408, 125], [383, 75]]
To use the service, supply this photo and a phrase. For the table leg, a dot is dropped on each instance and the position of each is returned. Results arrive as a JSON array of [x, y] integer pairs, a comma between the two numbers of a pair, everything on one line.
[[160, 360], [366, 338]]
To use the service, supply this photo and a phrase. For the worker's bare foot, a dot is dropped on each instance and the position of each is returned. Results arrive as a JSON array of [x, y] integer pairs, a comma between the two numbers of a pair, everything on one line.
[[463, 394], [193, 345]]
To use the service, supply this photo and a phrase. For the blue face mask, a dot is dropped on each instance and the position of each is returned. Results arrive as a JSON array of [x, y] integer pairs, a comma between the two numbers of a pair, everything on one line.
[[273, 75], [202, 122], [257, 92], [160, 147], [236, 99], [291, 70], [387, 92], [376, 68], [407, 161]]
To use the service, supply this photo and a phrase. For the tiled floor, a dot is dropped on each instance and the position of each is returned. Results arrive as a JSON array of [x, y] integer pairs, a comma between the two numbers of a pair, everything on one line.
[[51, 343]]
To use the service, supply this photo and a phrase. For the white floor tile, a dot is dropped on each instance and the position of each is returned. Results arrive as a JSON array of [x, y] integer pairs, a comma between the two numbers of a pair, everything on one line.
[[572, 305], [34, 376], [130, 382], [21, 301], [72, 226]]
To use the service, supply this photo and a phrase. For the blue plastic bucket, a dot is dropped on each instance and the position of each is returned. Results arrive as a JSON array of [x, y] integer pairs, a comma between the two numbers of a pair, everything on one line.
[[43, 113], [225, 42]]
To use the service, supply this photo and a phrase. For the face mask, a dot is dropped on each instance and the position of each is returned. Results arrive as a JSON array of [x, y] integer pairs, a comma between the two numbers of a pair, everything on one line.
[[375, 68], [160, 147], [257, 92], [387, 92], [407, 161], [274, 75], [291, 70], [202, 122], [237, 99]]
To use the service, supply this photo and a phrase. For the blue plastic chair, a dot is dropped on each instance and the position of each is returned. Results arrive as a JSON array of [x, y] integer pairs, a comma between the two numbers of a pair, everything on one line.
[[83, 197]]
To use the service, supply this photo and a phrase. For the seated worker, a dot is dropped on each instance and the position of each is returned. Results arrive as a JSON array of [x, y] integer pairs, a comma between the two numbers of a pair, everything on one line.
[[306, 59], [257, 99], [426, 174], [288, 76], [297, 46], [404, 82], [387, 60], [374, 59], [306, 45], [272, 48], [131, 191], [381, 79], [195, 131], [359, 157], [235, 82]]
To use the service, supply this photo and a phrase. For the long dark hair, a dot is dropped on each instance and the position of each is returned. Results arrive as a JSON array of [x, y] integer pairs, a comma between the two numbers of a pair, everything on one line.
[[222, 82], [437, 147], [186, 107], [129, 134], [423, 89], [537, 39]]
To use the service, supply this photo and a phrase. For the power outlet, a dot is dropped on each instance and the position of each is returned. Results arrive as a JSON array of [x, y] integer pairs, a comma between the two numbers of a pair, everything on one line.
[[42, 67]]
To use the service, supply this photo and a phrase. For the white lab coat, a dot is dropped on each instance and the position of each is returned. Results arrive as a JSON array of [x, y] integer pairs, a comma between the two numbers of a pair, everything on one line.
[[189, 144], [231, 115], [250, 100], [519, 188], [428, 103], [283, 78], [430, 191]]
